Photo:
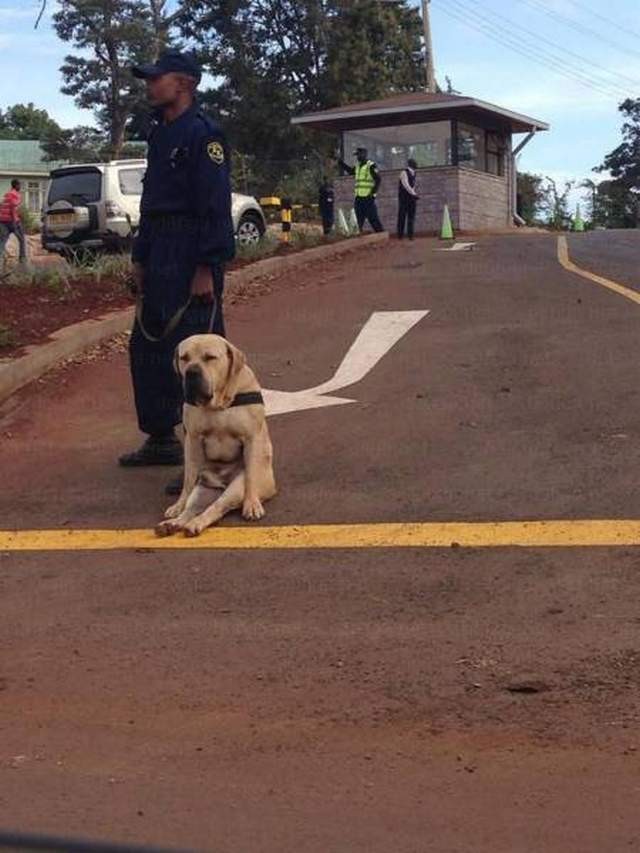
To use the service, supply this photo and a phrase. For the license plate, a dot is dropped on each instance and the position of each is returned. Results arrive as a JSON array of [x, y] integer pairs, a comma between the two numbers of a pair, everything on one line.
[[61, 219]]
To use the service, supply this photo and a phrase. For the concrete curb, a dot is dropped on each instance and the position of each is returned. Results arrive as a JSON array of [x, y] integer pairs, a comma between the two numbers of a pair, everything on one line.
[[67, 342]]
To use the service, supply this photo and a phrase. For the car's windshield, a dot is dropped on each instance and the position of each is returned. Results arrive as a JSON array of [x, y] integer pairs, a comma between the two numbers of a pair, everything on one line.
[[78, 185]]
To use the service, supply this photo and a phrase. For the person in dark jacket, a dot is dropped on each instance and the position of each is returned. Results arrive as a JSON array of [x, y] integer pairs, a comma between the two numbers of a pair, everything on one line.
[[184, 239], [407, 200], [326, 202]]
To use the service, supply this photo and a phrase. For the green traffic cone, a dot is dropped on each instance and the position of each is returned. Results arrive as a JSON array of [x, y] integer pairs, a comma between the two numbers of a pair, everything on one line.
[[578, 221], [447, 228]]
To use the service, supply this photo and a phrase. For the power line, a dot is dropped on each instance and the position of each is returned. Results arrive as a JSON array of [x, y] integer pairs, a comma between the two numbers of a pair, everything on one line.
[[489, 30], [580, 27], [623, 29], [541, 54], [563, 50]]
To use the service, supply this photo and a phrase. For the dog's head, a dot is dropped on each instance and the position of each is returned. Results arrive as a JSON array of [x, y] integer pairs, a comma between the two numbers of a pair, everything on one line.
[[208, 366]]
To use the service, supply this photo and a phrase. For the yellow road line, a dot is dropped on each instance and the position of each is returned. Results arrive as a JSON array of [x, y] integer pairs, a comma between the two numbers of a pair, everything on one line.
[[567, 263], [490, 534]]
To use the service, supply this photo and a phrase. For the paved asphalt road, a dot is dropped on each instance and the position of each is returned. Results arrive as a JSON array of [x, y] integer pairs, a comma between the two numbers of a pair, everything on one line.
[[400, 700]]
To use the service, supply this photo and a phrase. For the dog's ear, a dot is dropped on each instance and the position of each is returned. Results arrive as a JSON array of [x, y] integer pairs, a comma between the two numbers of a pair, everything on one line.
[[176, 356], [237, 361]]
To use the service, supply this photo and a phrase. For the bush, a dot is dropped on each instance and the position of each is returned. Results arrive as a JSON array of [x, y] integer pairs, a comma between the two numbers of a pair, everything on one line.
[[30, 221]]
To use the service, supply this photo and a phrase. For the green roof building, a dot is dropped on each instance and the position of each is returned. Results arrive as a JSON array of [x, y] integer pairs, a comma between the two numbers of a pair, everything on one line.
[[24, 159]]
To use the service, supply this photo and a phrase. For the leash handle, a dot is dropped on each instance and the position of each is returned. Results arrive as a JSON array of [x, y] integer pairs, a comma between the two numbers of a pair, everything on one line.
[[174, 321]]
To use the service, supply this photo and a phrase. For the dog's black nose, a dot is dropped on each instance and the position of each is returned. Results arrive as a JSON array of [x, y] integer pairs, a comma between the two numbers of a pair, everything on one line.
[[194, 390]]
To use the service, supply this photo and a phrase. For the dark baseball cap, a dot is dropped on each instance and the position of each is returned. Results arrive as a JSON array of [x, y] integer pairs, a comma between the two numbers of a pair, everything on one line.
[[173, 61]]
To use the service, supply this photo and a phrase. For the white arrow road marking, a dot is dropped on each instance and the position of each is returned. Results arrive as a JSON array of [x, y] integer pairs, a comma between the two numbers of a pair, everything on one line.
[[380, 333], [459, 247]]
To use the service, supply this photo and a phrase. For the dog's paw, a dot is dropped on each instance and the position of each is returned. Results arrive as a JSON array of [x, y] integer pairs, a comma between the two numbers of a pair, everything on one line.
[[175, 509], [167, 528], [193, 527], [252, 509]]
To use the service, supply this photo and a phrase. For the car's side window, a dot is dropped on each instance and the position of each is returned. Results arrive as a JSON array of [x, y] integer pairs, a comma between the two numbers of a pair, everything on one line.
[[131, 181]]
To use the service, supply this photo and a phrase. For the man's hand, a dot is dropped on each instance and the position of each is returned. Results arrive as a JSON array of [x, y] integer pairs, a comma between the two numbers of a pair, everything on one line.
[[202, 284], [137, 278]]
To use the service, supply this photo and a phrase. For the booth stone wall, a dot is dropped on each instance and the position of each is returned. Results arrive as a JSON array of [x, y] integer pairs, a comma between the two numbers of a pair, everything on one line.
[[477, 201]]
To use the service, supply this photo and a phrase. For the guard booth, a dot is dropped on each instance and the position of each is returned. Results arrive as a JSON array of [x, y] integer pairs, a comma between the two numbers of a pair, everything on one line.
[[464, 149]]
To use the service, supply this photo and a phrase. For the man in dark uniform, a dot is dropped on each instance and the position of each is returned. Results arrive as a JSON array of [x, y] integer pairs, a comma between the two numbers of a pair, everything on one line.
[[185, 237], [367, 183], [407, 200], [326, 202]]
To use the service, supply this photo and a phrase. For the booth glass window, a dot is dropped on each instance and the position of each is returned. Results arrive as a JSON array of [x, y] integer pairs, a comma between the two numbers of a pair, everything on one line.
[[429, 144], [471, 147]]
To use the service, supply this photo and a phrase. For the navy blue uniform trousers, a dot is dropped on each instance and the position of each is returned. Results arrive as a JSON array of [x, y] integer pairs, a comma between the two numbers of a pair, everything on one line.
[[366, 209], [168, 272]]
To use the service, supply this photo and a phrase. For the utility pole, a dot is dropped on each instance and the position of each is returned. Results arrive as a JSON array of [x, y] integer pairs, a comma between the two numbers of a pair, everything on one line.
[[428, 45], [431, 85]]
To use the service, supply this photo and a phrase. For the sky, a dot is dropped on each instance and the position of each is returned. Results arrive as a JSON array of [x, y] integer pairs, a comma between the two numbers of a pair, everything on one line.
[[573, 62]]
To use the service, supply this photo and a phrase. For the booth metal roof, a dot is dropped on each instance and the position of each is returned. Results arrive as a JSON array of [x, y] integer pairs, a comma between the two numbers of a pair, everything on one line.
[[414, 107]]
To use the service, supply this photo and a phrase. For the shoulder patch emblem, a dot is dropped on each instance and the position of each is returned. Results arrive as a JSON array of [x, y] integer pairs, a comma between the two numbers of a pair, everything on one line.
[[216, 153]]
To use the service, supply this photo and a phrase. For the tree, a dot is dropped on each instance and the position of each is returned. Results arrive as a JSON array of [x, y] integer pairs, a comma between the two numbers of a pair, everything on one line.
[[25, 121], [593, 209], [616, 201], [77, 145], [531, 196], [623, 162], [111, 36], [373, 50], [616, 206], [556, 203], [86, 145], [276, 58]]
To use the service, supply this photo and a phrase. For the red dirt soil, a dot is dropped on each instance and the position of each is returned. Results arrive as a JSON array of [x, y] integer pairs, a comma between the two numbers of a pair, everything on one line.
[[32, 313]]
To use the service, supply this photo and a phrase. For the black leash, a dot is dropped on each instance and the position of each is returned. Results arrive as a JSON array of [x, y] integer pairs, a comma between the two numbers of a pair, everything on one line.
[[175, 320]]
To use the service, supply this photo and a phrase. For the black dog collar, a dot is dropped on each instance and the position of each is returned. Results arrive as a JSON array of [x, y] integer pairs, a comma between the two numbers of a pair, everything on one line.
[[247, 398]]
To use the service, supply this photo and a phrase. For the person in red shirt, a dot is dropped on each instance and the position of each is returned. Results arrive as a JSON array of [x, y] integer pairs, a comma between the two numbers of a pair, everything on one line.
[[10, 219]]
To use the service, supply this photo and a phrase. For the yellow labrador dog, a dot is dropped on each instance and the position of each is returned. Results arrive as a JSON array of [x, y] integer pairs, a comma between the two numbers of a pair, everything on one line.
[[226, 440]]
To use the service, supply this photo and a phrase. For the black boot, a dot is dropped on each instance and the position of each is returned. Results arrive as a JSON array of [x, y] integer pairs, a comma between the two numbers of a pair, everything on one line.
[[156, 450]]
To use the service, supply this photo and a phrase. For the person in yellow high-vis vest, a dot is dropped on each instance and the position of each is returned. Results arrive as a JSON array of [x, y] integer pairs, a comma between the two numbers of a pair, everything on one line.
[[367, 182]]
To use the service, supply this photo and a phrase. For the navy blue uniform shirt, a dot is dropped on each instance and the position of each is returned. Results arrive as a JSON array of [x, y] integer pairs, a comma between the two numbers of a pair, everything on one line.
[[188, 173]]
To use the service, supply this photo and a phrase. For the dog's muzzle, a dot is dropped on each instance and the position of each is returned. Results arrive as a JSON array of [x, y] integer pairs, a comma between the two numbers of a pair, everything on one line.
[[196, 392]]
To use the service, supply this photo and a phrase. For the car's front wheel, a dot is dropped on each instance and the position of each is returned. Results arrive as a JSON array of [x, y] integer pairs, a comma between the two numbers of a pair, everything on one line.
[[250, 230]]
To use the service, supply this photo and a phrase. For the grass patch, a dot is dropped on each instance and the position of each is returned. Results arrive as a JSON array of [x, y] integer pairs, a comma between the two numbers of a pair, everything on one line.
[[303, 238], [59, 279], [256, 251]]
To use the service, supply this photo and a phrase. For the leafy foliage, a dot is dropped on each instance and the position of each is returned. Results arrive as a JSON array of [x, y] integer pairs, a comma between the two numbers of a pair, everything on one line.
[[276, 58], [624, 161], [25, 121], [616, 202], [531, 196], [110, 36], [556, 203]]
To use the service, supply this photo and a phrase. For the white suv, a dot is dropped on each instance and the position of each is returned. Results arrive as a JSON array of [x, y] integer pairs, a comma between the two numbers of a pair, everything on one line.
[[97, 206]]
